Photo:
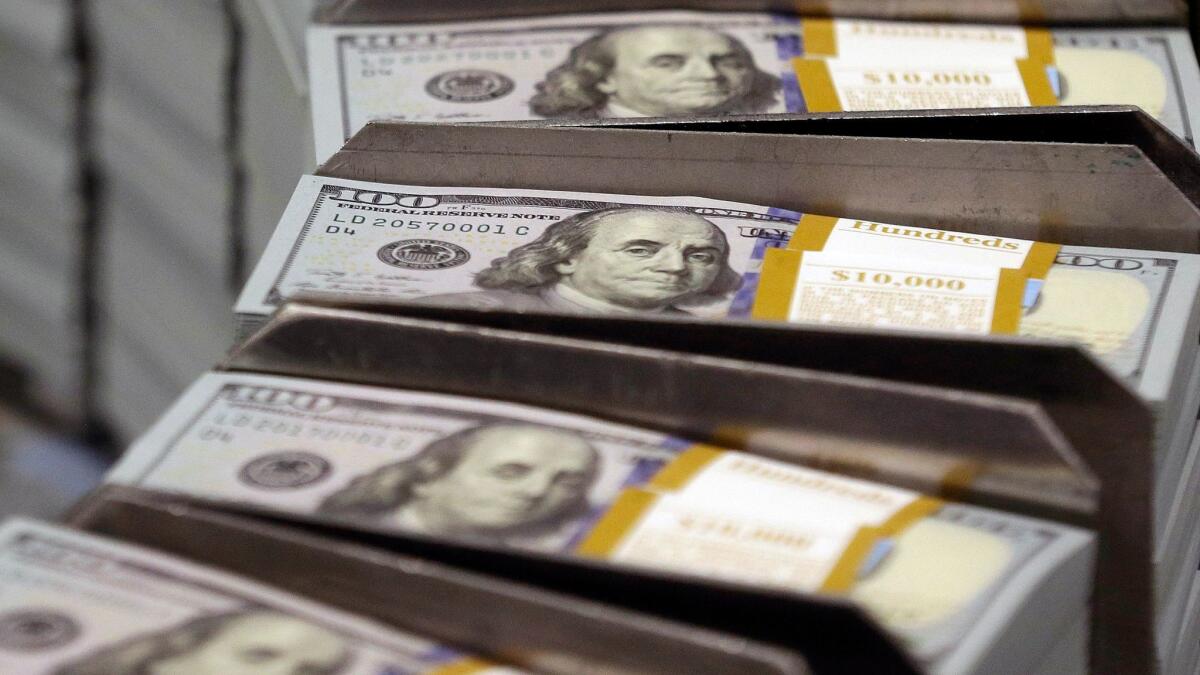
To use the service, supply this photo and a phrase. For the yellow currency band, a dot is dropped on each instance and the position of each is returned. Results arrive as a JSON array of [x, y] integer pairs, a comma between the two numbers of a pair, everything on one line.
[[1010, 291], [681, 470], [463, 667], [633, 502], [1037, 82], [1040, 259], [776, 284], [620, 518], [812, 232], [819, 37], [816, 84], [845, 572], [1039, 44]]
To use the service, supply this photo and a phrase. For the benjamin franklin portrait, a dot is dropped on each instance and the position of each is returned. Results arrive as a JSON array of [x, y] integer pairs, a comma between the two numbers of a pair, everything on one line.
[[251, 642], [656, 71], [611, 261], [492, 480]]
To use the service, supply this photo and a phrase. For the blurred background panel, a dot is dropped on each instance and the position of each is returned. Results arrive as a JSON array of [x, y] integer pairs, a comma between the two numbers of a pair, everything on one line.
[[147, 149], [41, 338], [142, 175]]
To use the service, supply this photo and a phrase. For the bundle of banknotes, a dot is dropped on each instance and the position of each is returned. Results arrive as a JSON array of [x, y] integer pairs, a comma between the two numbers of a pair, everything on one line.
[[956, 584], [79, 604], [186, 154], [950, 581], [540, 251], [1136, 310], [961, 588], [662, 64]]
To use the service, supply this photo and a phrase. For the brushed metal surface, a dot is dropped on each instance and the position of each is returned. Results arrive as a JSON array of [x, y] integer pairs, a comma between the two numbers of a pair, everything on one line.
[[1090, 193]]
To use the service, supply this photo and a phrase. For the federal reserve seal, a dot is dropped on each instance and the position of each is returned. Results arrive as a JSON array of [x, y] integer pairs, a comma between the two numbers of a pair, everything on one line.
[[423, 254], [28, 630], [469, 86], [284, 470]]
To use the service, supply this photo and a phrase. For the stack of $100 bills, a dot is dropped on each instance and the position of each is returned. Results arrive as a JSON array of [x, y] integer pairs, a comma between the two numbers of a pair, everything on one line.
[[948, 580], [955, 584], [961, 588]]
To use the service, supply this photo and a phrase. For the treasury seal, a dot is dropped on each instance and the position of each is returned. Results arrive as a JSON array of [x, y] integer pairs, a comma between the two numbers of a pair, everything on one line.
[[469, 86], [284, 470], [27, 630], [423, 254]]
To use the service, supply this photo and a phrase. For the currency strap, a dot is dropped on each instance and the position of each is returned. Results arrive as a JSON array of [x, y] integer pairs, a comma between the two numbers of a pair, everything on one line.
[[836, 85], [730, 515], [869, 40], [851, 65], [873, 291], [848, 235]]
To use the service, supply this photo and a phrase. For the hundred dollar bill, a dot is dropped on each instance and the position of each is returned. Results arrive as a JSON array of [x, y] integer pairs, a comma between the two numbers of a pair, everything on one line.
[[535, 68], [593, 253], [78, 604], [668, 64], [1152, 68], [951, 580], [1137, 311], [514, 249]]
